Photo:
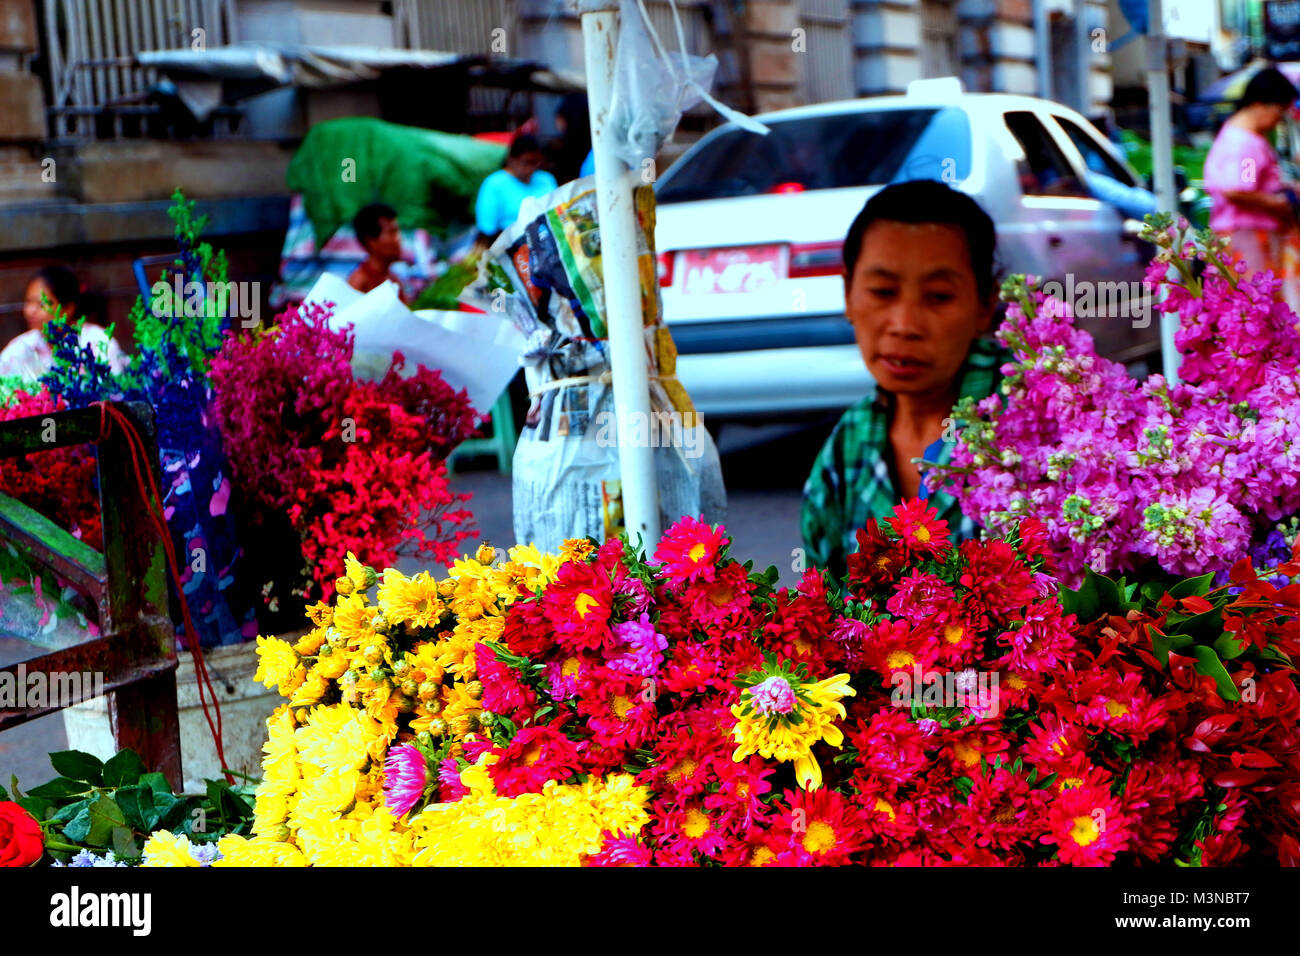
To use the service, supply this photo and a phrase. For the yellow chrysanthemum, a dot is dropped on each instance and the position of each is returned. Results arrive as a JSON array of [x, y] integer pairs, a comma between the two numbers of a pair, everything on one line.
[[278, 665], [311, 642], [313, 689], [778, 739], [577, 550], [165, 849], [360, 576], [558, 827], [412, 601], [353, 617], [241, 851]]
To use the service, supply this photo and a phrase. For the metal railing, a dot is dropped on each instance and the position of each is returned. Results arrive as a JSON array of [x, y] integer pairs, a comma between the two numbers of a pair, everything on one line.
[[455, 26], [97, 90], [134, 651]]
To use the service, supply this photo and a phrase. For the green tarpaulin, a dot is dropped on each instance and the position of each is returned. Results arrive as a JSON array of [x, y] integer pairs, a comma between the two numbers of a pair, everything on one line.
[[430, 178]]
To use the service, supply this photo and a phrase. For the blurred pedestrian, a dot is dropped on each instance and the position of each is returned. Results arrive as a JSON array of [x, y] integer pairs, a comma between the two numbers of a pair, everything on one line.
[[574, 144], [1251, 202], [921, 294], [505, 190], [53, 291], [376, 229]]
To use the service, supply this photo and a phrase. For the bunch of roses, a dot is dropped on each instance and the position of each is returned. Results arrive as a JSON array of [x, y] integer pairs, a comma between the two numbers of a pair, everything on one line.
[[1121, 472], [59, 483], [356, 465], [943, 710]]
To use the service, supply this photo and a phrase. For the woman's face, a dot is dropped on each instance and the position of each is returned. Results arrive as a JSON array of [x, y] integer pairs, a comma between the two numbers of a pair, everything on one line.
[[34, 311], [914, 305]]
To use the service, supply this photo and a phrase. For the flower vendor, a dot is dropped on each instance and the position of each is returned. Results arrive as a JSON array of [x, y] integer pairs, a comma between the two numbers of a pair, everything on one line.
[[920, 294], [1251, 202], [377, 231], [52, 290]]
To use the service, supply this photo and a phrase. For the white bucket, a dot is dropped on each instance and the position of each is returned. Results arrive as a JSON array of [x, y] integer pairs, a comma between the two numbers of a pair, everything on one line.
[[245, 705]]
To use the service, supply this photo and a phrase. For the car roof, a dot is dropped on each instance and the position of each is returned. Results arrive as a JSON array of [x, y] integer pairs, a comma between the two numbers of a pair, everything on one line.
[[978, 102]]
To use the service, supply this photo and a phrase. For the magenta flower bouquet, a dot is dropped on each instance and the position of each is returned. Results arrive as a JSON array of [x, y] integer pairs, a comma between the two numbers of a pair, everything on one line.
[[1125, 474]]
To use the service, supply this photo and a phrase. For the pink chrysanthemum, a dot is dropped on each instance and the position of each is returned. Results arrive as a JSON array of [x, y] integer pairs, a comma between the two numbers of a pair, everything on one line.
[[405, 777]]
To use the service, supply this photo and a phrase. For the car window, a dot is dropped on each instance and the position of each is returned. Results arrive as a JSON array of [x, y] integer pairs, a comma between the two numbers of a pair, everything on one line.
[[1097, 159], [826, 152], [1044, 171]]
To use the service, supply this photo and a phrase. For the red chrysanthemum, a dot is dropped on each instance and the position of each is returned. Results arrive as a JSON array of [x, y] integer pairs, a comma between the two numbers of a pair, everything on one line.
[[536, 755], [920, 528], [578, 604], [689, 551], [1088, 827]]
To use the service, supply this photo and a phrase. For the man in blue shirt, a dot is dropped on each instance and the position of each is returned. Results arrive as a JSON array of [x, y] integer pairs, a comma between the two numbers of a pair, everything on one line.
[[504, 191]]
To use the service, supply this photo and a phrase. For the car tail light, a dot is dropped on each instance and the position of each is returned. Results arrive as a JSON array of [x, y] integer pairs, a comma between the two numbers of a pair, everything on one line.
[[809, 259], [666, 260], [789, 187]]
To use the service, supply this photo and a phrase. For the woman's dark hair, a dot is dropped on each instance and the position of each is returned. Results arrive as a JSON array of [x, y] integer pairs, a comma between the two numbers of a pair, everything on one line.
[[1269, 86], [523, 144], [928, 200], [366, 222], [63, 285]]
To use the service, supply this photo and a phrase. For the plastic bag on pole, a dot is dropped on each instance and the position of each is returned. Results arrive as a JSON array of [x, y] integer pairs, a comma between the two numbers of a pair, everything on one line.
[[653, 88]]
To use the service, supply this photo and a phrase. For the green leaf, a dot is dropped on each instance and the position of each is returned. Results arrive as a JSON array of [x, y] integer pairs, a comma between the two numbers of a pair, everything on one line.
[[38, 807], [1108, 598], [105, 816], [1228, 646], [137, 804], [1207, 662], [156, 782], [1207, 627], [66, 813], [78, 827], [124, 842], [1198, 586], [76, 765], [59, 788], [1152, 590], [123, 769], [4, 796], [1082, 603]]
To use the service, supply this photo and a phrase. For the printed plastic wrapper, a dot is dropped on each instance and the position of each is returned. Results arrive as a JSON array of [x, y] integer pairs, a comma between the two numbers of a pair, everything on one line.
[[479, 352], [544, 273]]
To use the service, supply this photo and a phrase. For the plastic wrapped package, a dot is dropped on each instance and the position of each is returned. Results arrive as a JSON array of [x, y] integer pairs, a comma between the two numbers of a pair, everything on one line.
[[545, 270]]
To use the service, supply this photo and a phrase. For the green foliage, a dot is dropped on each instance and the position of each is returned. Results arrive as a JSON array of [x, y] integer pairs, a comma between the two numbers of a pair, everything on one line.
[[116, 805], [444, 292], [163, 325], [1193, 633]]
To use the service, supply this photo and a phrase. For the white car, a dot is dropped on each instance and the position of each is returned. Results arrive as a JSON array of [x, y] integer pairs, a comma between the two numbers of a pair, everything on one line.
[[750, 229]]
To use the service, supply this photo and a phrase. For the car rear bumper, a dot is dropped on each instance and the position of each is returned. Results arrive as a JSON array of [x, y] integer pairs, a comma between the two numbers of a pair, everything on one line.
[[774, 383], [750, 335]]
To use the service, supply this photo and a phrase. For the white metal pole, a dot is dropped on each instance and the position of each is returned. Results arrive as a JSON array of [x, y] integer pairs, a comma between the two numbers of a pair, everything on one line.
[[627, 352], [1162, 157]]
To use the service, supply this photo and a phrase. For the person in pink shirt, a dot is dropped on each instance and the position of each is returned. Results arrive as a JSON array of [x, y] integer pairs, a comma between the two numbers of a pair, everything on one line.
[[1251, 202]]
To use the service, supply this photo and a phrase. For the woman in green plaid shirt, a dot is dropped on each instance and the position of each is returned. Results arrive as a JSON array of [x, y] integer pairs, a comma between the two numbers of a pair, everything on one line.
[[920, 293]]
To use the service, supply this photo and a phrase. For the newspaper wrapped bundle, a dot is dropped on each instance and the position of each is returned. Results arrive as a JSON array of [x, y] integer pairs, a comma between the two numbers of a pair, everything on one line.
[[545, 273]]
